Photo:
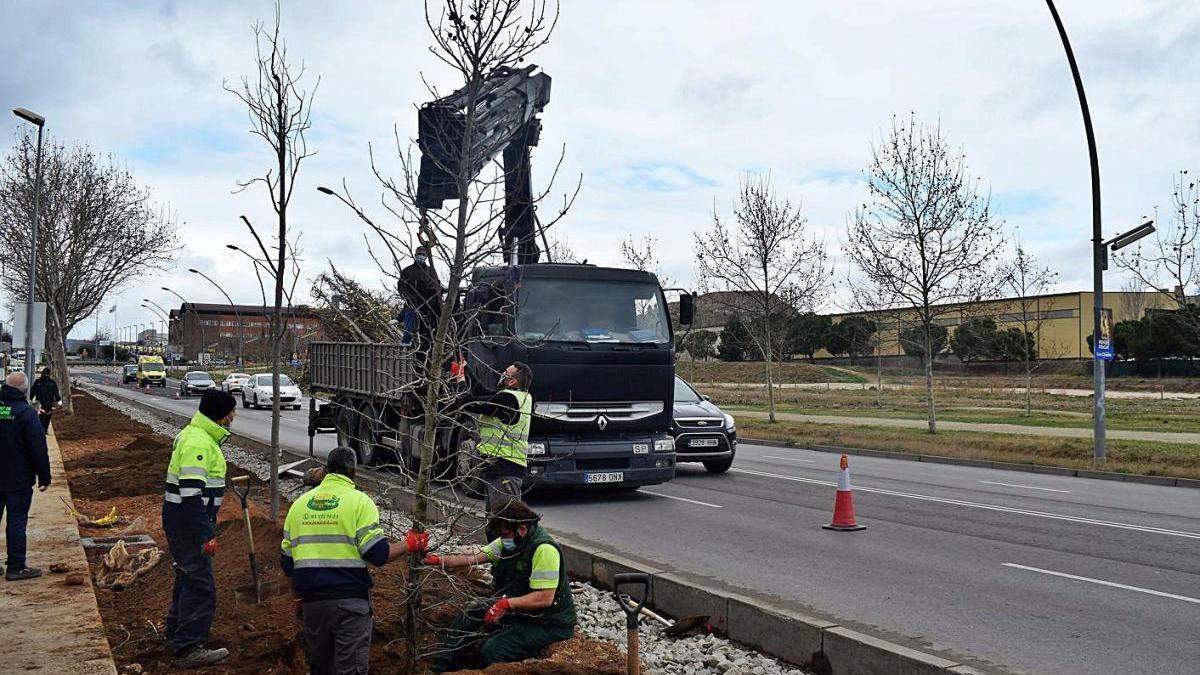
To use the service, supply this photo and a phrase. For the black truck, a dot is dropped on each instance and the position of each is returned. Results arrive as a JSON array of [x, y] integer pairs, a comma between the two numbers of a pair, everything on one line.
[[601, 347]]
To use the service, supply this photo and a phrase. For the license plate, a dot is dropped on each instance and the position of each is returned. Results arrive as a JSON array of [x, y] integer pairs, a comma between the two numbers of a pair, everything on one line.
[[613, 477], [703, 443], [641, 448]]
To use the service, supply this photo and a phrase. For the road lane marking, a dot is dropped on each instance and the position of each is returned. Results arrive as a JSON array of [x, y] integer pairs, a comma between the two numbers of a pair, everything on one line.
[[682, 499], [790, 459], [1102, 582], [986, 507], [1025, 487]]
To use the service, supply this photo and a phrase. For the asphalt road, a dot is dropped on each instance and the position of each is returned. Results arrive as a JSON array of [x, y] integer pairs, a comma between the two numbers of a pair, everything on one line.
[[1029, 572]]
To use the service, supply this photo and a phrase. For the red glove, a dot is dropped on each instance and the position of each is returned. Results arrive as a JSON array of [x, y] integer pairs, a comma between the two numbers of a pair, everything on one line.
[[416, 542], [496, 611], [210, 547], [432, 560]]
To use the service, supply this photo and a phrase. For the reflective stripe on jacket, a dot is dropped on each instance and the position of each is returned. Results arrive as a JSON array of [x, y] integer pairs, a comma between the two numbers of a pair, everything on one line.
[[508, 441], [330, 534], [195, 482]]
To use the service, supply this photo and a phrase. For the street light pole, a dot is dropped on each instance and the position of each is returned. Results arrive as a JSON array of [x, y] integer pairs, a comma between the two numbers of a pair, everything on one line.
[[30, 353], [203, 339], [1098, 252], [238, 314]]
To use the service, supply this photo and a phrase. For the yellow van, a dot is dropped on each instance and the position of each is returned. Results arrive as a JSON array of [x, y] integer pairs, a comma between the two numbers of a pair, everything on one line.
[[151, 371]]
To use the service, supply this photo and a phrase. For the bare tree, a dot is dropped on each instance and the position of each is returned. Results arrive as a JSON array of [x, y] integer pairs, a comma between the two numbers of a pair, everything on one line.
[[642, 254], [280, 111], [1132, 300], [926, 239], [766, 262], [561, 250], [1170, 264], [98, 232], [1027, 280]]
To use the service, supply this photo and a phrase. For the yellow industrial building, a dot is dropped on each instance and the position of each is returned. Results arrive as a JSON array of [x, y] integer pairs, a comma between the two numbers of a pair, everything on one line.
[[1066, 319]]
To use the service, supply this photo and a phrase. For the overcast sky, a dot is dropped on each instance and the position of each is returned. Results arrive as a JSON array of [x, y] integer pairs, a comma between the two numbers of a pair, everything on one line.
[[661, 107]]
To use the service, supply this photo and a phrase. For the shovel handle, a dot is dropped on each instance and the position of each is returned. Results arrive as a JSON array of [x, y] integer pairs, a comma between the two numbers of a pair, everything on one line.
[[631, 579]]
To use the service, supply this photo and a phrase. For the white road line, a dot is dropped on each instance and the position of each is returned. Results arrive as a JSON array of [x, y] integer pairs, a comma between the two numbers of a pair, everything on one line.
[[1102, 582], [682, 499], [986, 507], [791, 459], [1024, 487]]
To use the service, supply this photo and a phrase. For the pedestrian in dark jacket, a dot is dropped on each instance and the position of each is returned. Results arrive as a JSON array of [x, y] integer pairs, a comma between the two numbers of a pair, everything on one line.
[[45, 392], [23, 460]]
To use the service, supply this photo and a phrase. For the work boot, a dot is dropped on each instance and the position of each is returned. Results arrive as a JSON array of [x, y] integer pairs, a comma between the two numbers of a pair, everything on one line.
[[200, 656], [23, 573]]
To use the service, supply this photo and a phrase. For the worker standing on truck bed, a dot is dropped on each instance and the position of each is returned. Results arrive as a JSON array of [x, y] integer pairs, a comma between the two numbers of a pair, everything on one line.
[[422, 293], [504, 436], [331, 533], [194, 489], [531, 608]]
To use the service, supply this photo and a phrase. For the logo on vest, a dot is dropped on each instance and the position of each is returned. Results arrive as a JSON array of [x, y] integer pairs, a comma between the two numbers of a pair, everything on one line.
[[324, 501]]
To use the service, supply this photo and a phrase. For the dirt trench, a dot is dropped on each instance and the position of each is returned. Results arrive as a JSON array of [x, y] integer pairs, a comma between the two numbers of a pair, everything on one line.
[[112, 460]]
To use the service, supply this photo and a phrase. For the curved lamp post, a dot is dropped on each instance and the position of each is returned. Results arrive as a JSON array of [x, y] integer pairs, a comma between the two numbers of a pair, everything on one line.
[[241, 324]]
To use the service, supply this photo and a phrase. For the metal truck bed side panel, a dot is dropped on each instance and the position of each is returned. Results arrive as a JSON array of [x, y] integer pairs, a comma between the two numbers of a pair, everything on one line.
[[376, 370]]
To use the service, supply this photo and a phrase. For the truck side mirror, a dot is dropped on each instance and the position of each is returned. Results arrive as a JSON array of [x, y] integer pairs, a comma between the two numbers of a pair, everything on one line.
[[687, 309]]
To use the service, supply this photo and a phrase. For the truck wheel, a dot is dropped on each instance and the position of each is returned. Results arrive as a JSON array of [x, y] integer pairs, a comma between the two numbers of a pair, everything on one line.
[[718, 465], [345, 423], [368, 440]]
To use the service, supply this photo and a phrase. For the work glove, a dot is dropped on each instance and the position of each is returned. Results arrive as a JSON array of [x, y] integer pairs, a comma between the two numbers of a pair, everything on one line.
[[432, 560], [210, 547], [416, 542], [496, 611]]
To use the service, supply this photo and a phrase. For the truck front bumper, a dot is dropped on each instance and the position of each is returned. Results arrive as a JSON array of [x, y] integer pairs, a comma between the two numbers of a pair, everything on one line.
[[598, 463]]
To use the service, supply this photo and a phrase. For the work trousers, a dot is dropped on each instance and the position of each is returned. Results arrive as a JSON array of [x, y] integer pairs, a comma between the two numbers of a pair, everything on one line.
[[515, 638], [194, 596], [337, 636], [15, 504], [504, 480], [44, 418]]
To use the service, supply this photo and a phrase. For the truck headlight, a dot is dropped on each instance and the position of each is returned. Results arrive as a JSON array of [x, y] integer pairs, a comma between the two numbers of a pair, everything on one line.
[[664, 445], [537, 448], [730, 424]]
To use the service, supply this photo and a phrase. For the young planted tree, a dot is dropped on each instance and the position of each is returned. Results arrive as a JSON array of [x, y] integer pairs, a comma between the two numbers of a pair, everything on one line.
[[926, 238], [98, 232], [280, 112], [1027, 280], [765, 263], [642, 254]]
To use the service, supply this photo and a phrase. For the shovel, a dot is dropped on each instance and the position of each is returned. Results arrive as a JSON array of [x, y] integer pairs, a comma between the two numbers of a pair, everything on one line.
[[244, 496], [631, 613]]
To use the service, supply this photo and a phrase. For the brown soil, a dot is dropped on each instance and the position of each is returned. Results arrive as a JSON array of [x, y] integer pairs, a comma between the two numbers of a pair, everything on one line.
[[114, 461]]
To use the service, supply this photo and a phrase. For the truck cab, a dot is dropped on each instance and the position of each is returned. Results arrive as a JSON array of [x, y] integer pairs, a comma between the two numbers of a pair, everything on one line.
[[600, 344], [151, 371]]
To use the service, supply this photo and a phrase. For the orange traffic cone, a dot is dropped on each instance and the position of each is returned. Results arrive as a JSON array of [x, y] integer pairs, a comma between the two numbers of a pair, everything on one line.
[[843, 506]]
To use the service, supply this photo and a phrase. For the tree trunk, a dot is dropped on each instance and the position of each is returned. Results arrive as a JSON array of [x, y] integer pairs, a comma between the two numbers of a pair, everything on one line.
[[929, 381], [56, 354], [277, 314], [879, 377], [1028, 386]]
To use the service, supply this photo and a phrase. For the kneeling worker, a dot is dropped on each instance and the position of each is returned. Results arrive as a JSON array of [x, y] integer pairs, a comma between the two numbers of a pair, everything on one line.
[[532, 606], [330, 534]]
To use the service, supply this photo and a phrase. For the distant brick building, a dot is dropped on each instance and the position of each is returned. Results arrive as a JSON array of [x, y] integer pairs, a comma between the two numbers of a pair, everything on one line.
[[219, 330]]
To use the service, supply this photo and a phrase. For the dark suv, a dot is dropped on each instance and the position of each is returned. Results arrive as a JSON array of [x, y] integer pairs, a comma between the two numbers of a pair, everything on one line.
[[129, 373], [702, 431]]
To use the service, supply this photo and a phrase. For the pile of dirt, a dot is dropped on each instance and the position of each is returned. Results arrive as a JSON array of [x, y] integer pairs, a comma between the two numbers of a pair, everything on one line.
[[113, 461]]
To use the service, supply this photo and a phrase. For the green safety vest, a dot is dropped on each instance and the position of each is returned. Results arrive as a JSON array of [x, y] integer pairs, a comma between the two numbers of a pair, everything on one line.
[[508, 441], [511, 574], [197, 467], [331, 527]]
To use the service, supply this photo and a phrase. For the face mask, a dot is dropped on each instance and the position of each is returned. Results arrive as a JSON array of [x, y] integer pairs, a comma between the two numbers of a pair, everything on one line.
[[508, 544], [420, 259]]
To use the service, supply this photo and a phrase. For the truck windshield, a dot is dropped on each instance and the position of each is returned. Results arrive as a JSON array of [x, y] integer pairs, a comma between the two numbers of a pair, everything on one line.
[[567, 310]]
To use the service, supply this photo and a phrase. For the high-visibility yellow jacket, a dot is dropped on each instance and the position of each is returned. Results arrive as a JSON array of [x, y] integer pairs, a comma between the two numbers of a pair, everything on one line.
[[330, 534], [195, 479], [508, 441]]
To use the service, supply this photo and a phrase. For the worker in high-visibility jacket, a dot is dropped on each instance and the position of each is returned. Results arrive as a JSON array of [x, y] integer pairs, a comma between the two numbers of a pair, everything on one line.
[[331, 533], [194, 488], [504, 420], [531, 607]]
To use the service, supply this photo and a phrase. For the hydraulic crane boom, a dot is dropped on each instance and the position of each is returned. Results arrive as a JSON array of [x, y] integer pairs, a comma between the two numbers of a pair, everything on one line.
[[505, 123]]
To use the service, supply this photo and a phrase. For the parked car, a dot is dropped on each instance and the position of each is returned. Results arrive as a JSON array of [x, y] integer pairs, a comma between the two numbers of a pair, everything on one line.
[[702, 431], [234, 382], [196, 382], [129, 373], [258, 390]]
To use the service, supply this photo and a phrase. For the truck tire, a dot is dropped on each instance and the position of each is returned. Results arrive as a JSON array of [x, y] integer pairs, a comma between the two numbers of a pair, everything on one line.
[[347, 427], [369, 451]]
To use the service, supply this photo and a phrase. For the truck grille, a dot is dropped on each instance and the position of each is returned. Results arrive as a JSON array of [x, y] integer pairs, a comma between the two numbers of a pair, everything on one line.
[[591, 412], [602, 463], [703, 423]]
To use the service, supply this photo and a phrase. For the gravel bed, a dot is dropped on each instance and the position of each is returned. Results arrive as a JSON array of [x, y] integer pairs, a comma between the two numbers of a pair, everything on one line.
[[599, 616]]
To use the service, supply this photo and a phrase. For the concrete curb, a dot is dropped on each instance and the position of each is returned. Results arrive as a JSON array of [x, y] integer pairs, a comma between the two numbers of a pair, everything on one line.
[[821, 646], [1169, 481], [818, 645]]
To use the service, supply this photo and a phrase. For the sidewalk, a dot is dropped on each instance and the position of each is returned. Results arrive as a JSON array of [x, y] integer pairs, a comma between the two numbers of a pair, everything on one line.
[[1182, 438], [47, 626]]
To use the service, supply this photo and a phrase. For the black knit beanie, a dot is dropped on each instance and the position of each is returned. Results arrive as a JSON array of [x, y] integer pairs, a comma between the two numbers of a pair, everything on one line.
[[217, 404]]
